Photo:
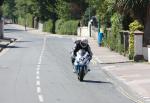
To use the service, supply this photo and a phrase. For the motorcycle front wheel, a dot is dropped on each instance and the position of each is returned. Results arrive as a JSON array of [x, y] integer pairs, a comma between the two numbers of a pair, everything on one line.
[[81, 74]]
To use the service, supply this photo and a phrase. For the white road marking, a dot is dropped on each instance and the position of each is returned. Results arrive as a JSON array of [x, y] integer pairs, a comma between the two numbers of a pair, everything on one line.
[[39, 63], [38, 83], [38, 89], [37, 72], [37, 77], [41, 99]]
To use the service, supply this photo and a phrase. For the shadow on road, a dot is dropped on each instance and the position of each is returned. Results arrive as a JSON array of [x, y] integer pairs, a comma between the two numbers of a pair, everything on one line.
[[23, 41], [15, 47], [13, 30], [130, 61], [5, 46], [96, 82]]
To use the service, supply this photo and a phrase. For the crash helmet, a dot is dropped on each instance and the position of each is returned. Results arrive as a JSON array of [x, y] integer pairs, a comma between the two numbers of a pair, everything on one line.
[[83, 42]]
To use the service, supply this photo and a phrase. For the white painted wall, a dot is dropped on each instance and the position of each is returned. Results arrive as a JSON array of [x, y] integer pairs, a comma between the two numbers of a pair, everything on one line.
[[40, 27], [83, 31]]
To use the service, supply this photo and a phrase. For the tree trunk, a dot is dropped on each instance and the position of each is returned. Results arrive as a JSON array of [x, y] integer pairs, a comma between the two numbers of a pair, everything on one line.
[[147, 27]]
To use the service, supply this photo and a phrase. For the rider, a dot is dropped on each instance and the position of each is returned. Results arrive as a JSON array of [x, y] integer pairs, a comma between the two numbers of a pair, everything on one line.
[[81, 44]]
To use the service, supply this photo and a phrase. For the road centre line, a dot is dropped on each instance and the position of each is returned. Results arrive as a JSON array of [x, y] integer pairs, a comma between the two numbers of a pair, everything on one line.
[[38, 66], [38, 83], [37, 77], [41, 99], [37, 69], [37, 72], [38, 89]]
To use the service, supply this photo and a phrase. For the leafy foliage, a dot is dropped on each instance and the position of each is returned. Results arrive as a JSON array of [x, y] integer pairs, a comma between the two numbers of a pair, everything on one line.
[[62, 9], [87, 15], [133, 27], [68, 27], [58, 25], [48, 26], [115, 43]]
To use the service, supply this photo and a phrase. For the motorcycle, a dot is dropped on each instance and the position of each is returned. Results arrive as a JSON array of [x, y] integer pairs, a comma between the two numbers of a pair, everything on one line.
[[81, 64]]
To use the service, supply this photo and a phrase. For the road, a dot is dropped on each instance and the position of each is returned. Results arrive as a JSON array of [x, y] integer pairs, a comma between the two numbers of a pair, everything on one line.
[[37, 69]]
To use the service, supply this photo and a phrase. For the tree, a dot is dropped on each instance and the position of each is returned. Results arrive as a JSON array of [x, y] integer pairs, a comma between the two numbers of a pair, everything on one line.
[[46, 9], [62, 9], [1, 2], [70, 9], [138, 9], [9, 9]]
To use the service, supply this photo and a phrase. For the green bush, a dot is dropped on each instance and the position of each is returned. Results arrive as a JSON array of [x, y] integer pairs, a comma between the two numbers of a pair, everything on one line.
[[29, 21], [48, 26], [115, 39], [133, 27], [58, 25], [67, 27], [21, 21]]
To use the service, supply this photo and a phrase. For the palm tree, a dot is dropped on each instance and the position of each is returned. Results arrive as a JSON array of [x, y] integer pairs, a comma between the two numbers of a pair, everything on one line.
[[138, 9]]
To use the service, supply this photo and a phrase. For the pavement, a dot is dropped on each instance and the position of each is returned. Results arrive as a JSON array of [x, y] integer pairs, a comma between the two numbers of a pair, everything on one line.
[[131, 79]]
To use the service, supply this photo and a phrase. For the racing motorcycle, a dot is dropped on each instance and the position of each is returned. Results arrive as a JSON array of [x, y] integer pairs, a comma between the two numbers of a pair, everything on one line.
[[81, 64]]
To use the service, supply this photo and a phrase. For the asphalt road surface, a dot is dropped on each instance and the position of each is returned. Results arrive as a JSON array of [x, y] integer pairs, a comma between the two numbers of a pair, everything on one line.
[[37, 69]]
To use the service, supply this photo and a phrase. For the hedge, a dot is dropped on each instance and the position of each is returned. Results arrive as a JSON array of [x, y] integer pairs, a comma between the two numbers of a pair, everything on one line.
[[58, 25], [67, 27], [48, 26], [133, 27], [28, 20], [21, 21]]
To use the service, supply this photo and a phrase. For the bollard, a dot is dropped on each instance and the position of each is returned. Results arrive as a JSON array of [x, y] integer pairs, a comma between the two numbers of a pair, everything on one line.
[[100, 37]]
